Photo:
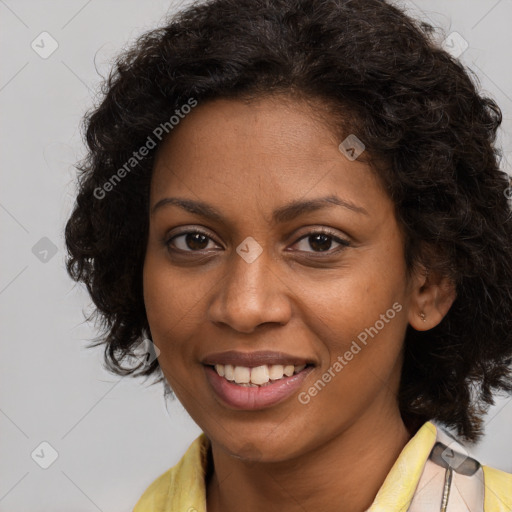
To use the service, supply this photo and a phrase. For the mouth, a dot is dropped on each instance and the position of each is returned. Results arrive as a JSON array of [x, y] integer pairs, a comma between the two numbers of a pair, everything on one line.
[[255, 386], [263, 375]]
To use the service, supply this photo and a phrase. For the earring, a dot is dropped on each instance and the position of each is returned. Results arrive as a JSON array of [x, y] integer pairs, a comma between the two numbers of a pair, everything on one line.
[[423, 316]]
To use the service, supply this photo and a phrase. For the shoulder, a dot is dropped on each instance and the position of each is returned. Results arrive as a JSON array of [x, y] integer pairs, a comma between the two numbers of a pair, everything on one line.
[[496, 485], [452, 477], [498, 490], [181, 487], [153, 499]]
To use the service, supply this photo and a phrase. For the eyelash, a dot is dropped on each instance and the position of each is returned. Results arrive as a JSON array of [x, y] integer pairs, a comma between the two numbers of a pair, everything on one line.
[[343, 243]]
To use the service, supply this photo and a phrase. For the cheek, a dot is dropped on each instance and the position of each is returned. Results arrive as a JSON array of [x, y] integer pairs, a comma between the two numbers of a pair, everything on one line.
[[362, 335], [347, 304], [175, 301], [362, 367], [166, 306], [171, 297], [360, 318], [159, 303], [166, 311]]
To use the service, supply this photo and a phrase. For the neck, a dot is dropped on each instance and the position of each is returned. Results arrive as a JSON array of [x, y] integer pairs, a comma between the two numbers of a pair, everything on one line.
[[344, 473]]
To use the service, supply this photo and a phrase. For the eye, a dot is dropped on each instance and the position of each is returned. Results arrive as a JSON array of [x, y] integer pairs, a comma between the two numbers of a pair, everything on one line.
[[190, 241], [316, 241], [321, 241]]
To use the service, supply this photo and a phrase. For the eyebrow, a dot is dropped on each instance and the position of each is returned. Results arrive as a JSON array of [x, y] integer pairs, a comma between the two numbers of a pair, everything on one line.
[[282, 214]]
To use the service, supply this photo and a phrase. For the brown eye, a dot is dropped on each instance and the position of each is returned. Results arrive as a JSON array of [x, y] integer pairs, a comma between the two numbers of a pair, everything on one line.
[[321, 242], [190, 242]]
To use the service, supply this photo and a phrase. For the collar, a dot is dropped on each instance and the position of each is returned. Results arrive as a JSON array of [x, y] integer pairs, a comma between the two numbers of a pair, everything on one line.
[[182, 488], [397, 491]]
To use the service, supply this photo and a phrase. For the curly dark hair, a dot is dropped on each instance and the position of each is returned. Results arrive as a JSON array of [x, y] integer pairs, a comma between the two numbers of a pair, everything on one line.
[[430, 135]]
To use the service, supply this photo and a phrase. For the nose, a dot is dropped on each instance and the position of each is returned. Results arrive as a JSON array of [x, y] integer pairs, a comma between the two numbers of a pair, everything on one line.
[[249, 295]]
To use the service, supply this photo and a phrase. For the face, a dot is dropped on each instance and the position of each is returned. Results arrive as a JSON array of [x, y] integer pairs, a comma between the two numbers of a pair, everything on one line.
[[266, 240]]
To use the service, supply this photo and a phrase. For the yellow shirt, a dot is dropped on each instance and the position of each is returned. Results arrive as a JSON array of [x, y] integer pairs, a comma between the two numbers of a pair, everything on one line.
[[182, 488]]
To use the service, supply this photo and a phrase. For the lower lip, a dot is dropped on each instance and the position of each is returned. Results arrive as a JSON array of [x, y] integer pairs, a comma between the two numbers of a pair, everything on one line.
[[252, 398]]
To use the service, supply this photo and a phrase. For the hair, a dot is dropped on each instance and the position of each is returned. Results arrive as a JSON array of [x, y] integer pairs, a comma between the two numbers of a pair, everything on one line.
[[430, 135]]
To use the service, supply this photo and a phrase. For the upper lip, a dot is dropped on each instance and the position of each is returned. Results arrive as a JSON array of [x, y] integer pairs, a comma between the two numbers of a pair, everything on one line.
[[253, 359]]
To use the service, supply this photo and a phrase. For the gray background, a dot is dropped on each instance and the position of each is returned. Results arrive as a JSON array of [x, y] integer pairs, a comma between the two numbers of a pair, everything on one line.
[[114, 435]]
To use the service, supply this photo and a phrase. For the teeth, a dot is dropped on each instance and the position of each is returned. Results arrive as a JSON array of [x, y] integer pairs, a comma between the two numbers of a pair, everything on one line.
[[260, 375], [228, 372], [242, 375], [288, 370], [257, 376], [276, 371]]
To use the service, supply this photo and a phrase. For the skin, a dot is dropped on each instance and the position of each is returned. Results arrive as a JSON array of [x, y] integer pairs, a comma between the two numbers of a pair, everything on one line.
[[246, 160]]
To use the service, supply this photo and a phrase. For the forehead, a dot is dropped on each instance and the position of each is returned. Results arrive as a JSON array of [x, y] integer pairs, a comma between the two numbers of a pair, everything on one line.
[[268, 149], [260, 125]]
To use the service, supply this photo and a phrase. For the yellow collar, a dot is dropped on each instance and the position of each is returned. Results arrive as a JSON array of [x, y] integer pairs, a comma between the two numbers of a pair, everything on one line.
[[397, 491], [182, 488]]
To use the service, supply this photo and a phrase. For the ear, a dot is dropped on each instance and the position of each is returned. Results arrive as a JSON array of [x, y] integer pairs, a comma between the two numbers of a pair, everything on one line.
[[431, 298]]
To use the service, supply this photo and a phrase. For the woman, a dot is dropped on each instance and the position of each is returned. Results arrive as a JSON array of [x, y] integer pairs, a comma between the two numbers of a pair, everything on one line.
[[300, 204]]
